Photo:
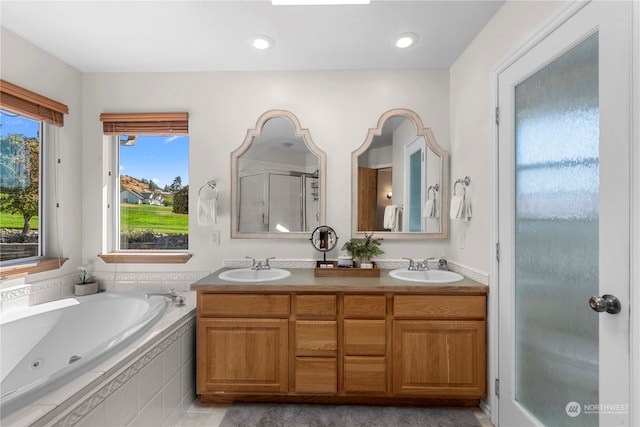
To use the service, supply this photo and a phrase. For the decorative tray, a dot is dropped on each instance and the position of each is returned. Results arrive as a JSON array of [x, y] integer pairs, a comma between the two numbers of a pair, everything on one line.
[[332, 270]]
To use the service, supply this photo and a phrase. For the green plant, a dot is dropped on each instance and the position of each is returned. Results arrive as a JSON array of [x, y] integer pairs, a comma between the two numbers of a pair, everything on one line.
[[85, 277], [363, 249]]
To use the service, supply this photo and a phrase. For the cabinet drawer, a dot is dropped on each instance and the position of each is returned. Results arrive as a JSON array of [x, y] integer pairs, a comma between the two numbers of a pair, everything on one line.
[[245, 305], [316, 338], [367, 306], [439, 307], [316, 375], [365, 337], [365, 374], [316, 306]]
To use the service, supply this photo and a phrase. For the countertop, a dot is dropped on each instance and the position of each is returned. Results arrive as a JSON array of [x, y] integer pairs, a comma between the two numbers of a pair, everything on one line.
[[304, 280]]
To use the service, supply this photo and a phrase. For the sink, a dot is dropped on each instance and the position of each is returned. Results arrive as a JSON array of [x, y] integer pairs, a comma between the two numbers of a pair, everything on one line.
[[247, 275], [426, 276]]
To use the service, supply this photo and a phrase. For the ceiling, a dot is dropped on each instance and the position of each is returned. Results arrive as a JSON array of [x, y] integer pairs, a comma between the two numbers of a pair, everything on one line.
[[185, 35]]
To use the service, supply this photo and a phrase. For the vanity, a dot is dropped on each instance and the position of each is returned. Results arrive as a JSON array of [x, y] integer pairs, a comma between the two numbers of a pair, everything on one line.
[[298, 336], [368, 340]]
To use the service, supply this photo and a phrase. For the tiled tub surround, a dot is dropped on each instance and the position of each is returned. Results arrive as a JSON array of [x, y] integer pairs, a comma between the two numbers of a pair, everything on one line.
[[149, 382], [17, 294]]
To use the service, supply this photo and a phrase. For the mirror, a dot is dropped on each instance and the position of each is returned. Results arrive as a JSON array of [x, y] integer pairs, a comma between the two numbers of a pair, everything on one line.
[[324, 238], [277, 180], [399, 181]]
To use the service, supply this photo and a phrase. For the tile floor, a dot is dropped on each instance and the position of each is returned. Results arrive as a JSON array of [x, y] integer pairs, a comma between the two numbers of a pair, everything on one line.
[[200, 415]]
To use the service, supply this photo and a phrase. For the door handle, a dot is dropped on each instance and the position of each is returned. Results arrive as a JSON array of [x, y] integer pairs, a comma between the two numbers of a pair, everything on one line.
[[608, 303]]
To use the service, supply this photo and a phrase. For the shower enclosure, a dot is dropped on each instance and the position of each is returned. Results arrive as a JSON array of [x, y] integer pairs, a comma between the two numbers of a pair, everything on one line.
[[278, 201]]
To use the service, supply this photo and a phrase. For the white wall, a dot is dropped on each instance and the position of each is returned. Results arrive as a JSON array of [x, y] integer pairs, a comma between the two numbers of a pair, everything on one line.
[[472, 124], [472, 119], [27, 66], [338, 108]]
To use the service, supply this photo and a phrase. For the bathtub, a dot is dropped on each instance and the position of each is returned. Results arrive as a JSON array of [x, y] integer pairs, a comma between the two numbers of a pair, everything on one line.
[[48, 345]]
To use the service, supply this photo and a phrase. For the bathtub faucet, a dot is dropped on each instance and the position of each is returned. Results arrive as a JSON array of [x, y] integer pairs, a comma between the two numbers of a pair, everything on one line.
[[178, 299]]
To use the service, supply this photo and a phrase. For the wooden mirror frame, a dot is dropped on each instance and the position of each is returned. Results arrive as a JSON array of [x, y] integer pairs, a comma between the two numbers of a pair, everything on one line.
[[433, 145], [235, 157]]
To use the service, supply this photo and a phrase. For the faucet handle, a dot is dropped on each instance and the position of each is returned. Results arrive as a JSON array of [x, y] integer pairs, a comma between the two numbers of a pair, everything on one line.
[[412, 263], [266, 262], [426, 262]]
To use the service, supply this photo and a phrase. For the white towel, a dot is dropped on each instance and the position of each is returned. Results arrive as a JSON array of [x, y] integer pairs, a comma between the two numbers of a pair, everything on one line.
[[467, 210], [391, 214], [456, 209], [430, 209], [460, 208], [207, 214]]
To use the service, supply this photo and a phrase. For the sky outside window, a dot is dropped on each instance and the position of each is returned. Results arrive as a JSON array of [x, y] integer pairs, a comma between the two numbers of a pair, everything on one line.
[[157, 158]]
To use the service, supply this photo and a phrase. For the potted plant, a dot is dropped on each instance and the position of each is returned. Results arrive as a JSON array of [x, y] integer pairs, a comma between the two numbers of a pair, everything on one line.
[[364, 249], [87, 285]]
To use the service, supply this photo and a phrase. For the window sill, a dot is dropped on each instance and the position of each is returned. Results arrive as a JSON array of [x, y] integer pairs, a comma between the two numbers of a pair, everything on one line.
[[23, 268], [145, 258]]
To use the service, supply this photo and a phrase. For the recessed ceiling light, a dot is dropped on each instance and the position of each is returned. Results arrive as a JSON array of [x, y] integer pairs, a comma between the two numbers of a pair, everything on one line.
[[262, 42], [405, 40], [316, 2]]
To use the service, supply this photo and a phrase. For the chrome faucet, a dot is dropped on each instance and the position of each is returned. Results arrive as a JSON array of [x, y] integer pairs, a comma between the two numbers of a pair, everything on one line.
[[178, 299], [258, 264], [413, 266], [426, 262], [419, 265]]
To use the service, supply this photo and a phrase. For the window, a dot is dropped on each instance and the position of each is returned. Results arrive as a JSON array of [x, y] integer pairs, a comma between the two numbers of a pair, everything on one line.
[[26, 123], [151, 186], [20, 213]]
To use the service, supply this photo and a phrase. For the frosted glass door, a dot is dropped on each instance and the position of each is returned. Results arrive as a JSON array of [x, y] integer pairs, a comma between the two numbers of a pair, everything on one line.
[[564, 226], [556, 236]]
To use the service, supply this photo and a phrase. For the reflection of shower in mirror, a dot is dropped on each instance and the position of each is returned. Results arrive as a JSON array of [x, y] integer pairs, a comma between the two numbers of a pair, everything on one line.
[[277, 180]]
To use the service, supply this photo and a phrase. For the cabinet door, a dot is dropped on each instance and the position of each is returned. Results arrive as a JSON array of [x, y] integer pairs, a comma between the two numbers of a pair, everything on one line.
[[439, 358], [242, 355]]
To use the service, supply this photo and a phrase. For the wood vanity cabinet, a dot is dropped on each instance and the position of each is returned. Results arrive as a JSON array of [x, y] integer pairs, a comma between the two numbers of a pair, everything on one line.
[[333, 347], [439, 346], [316, 344], [365, 344], [242, 343]]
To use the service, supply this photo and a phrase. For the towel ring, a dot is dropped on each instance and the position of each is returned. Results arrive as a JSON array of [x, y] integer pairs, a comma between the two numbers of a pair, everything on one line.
[[211, 191], [435, 189], [464, 182]]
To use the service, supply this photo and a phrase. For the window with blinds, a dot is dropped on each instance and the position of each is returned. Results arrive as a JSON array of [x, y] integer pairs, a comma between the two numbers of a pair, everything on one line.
[[151, 156], [23, 149]]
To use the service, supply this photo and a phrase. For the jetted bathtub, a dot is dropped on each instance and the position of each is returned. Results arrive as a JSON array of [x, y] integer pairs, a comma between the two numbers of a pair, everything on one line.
[[47, 345]]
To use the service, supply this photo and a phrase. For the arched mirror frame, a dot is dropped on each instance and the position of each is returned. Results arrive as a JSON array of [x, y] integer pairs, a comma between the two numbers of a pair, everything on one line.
[[432, 144], [235, 157]]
